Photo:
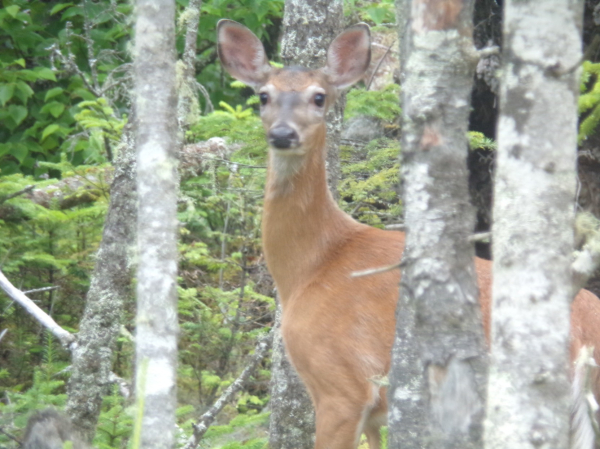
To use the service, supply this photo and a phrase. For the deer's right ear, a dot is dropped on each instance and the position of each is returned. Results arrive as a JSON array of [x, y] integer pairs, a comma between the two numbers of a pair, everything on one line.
[[242, 53]]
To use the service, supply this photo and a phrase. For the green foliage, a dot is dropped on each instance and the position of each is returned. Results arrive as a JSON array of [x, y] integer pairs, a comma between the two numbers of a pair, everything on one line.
[[382, 104], [115, 423], [589, 100], [375, 13], [243, 432], [47, 390], [46, 246], [369, 182], [39, 83], [478, 140]]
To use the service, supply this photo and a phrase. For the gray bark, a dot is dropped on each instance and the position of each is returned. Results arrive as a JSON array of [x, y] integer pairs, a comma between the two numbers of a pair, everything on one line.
[[156, 144], [188, 108], [438, 374], [110, 285], [292, 424], [308, 29], [528, 403]]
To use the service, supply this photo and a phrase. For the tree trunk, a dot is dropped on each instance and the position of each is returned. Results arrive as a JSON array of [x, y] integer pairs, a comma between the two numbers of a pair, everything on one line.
[[292, 424], [156, 143], [533, 225], [439, 357], [308, 29], [99, 327]]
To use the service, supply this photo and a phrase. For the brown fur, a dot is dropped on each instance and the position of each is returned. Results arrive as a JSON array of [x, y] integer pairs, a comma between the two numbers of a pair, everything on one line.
[[338, 330]]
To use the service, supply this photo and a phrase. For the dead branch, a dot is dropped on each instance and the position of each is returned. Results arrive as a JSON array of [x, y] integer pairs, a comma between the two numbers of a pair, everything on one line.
[[66, 338], [264, 343]]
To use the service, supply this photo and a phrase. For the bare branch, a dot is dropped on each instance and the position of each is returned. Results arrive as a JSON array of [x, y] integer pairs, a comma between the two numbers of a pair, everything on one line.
[[14, 195], [369, 272], [40, 290], [379, 65], [264, 343], [66, 338], [480, 237]]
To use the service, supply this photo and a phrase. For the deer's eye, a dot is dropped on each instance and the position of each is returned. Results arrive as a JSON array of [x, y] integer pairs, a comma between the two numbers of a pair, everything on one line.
[[264, 98], [319, 100]]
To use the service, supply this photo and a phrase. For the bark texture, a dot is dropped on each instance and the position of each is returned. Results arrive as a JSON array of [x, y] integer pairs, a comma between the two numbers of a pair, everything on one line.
[[156, 143], [437, 380], [308, 29], [110, 286], [292, 424], [528, 404]]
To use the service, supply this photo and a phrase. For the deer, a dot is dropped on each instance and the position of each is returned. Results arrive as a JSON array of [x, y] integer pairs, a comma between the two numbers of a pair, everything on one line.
[[338, 330]]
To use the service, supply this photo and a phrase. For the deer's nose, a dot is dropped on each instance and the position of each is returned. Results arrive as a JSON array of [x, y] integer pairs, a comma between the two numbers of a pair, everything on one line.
[[283, 137]]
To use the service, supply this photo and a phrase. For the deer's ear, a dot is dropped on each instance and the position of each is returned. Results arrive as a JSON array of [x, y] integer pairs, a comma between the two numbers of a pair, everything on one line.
[[242, 53], [349, 56]]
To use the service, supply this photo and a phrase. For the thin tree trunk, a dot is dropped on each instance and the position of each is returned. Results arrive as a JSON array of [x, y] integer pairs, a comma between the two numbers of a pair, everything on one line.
[[529, 392], [439, 357], [99, 327], [156, 143], [308, 29], [188, 108], [292, 424]]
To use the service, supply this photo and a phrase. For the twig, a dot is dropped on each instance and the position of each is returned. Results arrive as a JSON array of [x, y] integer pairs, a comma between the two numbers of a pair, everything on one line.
[[67, 339], [379, 64], [3, 333], [39, 290], [264, 343], [11, 436], [14, 195], [370, 271], [396, 226], [480, 237]]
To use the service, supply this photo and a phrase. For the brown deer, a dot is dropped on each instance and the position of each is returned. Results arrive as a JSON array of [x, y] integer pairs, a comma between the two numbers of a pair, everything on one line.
[[338, 330]]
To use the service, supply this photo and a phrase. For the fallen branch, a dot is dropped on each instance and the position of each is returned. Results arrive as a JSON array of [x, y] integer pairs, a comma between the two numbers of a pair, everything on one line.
[[66, 338], [264, 343]]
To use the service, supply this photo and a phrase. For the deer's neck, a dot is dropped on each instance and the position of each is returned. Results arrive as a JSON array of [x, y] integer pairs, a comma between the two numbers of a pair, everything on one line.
[[302, 224]]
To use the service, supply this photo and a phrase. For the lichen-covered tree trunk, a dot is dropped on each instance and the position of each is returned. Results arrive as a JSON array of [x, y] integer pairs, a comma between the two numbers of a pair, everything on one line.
[[292, 424], [308, 29], [156, 143], [437, 381], [529, 395], [110, 285]]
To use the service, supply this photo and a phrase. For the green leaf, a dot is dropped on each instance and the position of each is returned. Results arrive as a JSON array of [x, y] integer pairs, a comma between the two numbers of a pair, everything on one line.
[[13, 10], [17, 113], [6, 92], [45, 73], [376, 14], [24, 90], [19, 151], [53, 93], [50, 129], [54, 107], [59, 7], [20, 62]]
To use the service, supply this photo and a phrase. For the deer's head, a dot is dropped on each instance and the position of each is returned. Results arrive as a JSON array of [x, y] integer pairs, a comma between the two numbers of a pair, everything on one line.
[[294, 100]]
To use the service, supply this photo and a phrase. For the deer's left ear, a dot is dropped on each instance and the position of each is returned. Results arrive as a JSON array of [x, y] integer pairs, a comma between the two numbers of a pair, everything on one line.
[[349, 56]]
